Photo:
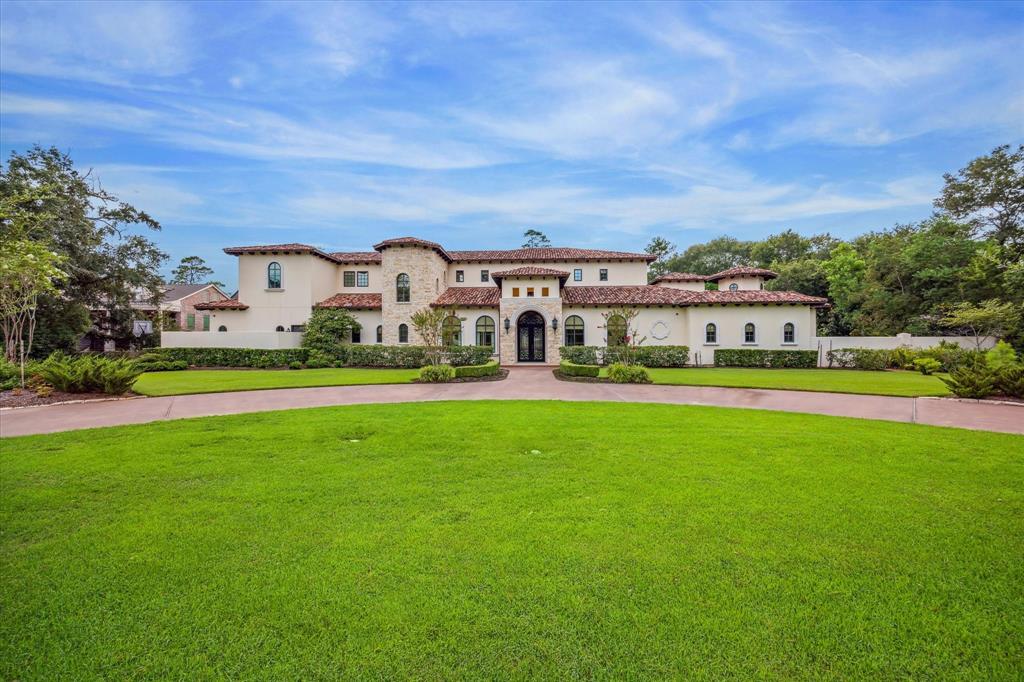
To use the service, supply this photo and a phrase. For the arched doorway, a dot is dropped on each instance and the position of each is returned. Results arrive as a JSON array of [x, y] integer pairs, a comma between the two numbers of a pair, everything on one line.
[[530, 332]]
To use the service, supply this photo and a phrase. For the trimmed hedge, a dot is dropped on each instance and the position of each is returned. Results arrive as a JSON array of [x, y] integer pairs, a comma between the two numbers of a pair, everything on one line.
[[235, 357], [628, 374], [465, 356], [488, 369], [350, 355], [407, 357], [437, 374], [648, 356], [752, 357], [571, 369]]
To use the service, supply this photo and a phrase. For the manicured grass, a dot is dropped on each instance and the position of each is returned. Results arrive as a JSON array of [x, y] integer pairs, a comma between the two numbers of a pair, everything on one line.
[[512, 540], [894, 382], [217, 380]]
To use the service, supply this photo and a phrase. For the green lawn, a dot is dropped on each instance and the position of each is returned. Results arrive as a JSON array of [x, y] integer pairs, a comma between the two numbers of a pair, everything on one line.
[[511, 540], [898, 383], [217, 380]]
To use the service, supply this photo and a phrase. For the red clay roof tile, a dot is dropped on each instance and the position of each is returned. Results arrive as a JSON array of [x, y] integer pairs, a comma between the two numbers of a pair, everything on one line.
[[470, 297], [352, 301], [742, 271]]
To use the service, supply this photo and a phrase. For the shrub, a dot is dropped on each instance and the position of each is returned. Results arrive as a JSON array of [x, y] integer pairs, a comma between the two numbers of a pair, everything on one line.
[[156, 362], [1002, 355], [463, 356], [437, 374], [753, 357], [234, 357], [858, 358], [949, 355], [317, 359], [329, 330], [628, 374], [650, 356], [295, 365], [571, 369], [927, 366], [10, 375], [88, 373], [973, 379], [408, 357], [488, 369], [902, 357], [579, 355], [1010, 381]]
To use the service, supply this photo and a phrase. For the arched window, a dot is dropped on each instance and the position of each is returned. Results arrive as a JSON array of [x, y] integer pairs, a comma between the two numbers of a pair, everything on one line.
[[749, 333], [451, 331], [402, 288], [274, 275], [279, 328], [789, 333], [403, 333], [574, 331], [380, 334], [734, 287], [711, 333], [616, 330], [485, 332], [222, 328]]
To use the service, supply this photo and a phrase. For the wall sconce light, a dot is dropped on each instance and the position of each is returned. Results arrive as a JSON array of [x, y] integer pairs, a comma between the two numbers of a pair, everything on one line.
[[554, 324], [508, 325]]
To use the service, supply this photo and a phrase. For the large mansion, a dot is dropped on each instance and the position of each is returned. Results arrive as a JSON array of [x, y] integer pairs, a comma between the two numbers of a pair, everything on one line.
[[523, 303]]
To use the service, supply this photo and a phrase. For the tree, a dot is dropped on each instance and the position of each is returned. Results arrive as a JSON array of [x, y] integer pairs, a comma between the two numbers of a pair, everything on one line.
[[535, 239], [780, 248], [844, 271], [989, 319], [714, 256], [621, 333], [989, 194], [27, 271], [192, 270], [329, 330], [96, 234], [661, 249]]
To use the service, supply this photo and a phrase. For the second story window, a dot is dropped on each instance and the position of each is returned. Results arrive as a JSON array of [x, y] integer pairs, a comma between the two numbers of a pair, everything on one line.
[[402, 288], [274, 276], [734, 287], [485, 275], [362, 279], [577, 275], [460, 276], [348, 279], [603, 274], [529, 291]]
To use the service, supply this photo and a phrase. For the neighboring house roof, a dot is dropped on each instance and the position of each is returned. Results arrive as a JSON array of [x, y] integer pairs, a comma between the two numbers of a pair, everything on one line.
[[679, 277], [356, 256], [227, 304], [352, 301], [652, 295], [529, 271], [413, 241], [742, 271], [550, 253], [280, 248], [470, 297], [176, 292]]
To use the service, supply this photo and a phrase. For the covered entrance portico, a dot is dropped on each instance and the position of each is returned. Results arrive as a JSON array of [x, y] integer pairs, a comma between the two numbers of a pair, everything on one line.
[[530, 335]]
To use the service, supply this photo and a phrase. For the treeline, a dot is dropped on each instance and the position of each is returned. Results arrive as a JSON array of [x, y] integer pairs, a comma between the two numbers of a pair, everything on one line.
[[968, 257]]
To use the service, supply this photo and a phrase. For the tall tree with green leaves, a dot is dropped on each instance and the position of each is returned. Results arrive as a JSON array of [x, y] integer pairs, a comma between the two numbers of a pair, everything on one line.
[[101, 240], [28, 270], [844, 271], [662, 249], [714, 256], [192, 270], [535, 239]]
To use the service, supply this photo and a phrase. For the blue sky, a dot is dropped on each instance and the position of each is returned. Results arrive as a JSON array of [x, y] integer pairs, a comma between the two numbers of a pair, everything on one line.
[[599, 124]]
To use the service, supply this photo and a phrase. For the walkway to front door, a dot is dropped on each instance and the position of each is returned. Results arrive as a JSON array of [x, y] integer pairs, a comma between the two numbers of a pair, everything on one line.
[[530, 335]]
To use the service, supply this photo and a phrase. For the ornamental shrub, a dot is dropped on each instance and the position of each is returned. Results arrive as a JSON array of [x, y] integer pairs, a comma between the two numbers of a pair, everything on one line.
[[628, 374], [463, 356], [88, 373], [902, 357], [295, 365], [950, 355], [753, 357], [317, 359], [858, 358], [1010, 381], [650, 356], [329, 330], [579, 355], [488, 369], [407, 357], [972, 379], [233, 357], [927, 366], [10, 375], [1002, 355], [437, 374], [571, 369]]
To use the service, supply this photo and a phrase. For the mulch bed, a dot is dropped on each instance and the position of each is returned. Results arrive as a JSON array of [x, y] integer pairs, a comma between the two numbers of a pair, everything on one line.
[[581, 380], [500, 376], [30, 399]]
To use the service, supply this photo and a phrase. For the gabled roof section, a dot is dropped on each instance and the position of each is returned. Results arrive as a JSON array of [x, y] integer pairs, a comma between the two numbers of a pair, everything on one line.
[[280, 248], [530, 271], [352, 302], [742, 271], [550, 254], [176, 292], [413, 241], [469, 297], [679, 277], [227, 304]]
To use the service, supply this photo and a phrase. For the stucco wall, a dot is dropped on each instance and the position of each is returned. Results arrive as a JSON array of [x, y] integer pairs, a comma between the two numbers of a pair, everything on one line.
[[768, 322], [264, 340], [292, 304], [368, 321], [662, 326], [536, 283], [890, 342], [376, 282], [743, 283], [619, 273]]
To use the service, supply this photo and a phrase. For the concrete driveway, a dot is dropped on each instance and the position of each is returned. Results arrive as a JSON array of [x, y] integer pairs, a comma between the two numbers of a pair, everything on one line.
[[522, 384]]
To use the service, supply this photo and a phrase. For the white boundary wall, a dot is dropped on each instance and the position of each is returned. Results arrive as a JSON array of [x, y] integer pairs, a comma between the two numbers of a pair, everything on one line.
[[262, 340], [827, 343]]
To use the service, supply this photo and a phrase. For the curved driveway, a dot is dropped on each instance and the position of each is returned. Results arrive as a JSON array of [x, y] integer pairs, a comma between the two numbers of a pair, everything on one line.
[[522, 384]]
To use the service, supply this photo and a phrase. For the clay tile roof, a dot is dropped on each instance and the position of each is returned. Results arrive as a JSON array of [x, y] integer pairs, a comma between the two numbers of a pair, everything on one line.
[[653, 295], [356, 256], [470, 297], [530, 271], [413, 241], [742, 271], [766, 297], [352, 301], [679, 277], [228, 304], [548, 254], [279, 248]]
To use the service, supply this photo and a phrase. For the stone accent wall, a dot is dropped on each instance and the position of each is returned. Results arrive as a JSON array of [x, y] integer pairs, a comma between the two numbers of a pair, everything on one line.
[[424, 267], [512, 308]]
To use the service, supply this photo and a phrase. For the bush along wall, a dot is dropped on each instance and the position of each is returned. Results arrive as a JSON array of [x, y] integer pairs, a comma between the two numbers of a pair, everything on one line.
[[752, 357], [571, 369], [235, 357], [648, 356], [488, 369]]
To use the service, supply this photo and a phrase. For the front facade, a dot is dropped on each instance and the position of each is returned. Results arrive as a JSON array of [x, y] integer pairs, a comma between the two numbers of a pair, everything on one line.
[[523, 303]]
